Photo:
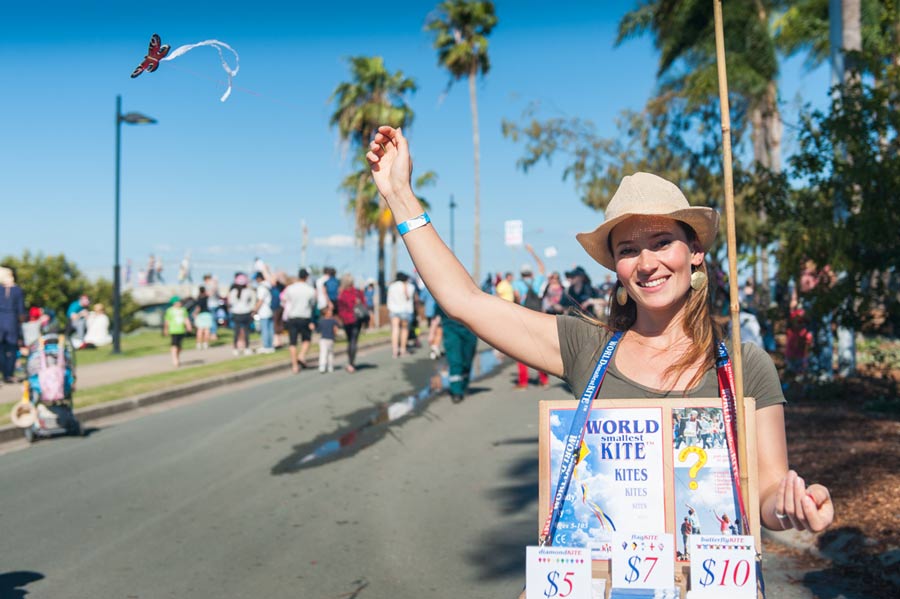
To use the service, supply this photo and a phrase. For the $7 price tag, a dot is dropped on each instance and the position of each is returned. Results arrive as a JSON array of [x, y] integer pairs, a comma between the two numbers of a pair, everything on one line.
[[557, 573], [643, 561], [723, 562]]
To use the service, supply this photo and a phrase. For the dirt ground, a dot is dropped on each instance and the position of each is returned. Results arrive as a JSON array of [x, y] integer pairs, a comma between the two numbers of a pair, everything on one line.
[[846, 435]]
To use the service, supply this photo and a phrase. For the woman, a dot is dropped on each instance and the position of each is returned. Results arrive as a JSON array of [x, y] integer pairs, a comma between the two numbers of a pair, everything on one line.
[[400, 305], [241, 300], [349, 297], [12, 315], [553, 295], [655, 243], [203, 318]]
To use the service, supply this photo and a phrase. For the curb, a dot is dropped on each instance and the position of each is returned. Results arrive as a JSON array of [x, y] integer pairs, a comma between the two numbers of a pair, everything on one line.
[[11, 432]]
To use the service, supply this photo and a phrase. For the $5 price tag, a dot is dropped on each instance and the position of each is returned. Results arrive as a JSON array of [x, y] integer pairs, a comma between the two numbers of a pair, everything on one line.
[[557, 573], [724, 562], [643, 561]]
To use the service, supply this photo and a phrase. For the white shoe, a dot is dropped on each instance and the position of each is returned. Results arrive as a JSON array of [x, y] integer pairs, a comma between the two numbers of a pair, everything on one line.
[[248, 352], [235, 352]]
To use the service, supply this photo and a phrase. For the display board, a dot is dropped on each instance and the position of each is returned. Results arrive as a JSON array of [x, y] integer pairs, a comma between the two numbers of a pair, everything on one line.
[[646, 465]]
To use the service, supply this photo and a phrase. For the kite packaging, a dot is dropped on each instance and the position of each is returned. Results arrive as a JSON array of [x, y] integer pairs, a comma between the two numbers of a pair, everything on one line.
[[159, 52]]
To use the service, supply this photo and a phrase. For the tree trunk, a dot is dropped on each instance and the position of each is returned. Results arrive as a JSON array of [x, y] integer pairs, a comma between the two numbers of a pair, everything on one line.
[[851, 32], [361, 205], [382, 287], [476, 143], [393, 255]]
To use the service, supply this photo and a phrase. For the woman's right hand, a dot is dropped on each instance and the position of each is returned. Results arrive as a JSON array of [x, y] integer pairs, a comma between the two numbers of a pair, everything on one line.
[[390, 162]]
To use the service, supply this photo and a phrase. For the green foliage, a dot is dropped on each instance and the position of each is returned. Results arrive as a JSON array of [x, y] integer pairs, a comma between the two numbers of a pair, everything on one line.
[[51, 282], [683, 32], [844, 211], [460, 29], [803, 26]]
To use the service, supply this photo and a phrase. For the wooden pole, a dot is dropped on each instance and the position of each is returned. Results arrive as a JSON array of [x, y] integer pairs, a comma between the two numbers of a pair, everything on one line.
[[734, 303]]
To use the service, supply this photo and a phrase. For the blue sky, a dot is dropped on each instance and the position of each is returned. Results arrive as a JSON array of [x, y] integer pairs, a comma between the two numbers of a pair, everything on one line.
[[231, 181]]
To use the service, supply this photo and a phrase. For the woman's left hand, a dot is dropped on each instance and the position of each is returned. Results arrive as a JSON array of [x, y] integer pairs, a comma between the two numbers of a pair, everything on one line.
[[801, 507]]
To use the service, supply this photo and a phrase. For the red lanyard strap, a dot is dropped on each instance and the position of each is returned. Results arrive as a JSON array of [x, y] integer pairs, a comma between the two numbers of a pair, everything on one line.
[[725, 375]]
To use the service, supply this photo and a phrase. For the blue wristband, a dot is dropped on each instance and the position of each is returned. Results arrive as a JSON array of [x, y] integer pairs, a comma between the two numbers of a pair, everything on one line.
[[413, 223]]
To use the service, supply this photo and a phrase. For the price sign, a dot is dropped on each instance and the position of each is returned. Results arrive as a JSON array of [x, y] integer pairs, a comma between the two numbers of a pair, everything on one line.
[[643, 561], [557, 573], [725, 565]]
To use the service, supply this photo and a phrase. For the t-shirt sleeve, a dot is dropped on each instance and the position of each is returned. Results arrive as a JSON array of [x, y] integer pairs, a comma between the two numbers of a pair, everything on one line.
[[579, 343], [760, 377]]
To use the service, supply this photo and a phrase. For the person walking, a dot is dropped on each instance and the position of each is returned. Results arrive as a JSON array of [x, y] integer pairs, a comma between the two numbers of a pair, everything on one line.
[[351, 305], [241, 301], [400, 308], [528, 290], [662, 337], [298, 300], [203, 318], [12, 315], [459, 347], [327, 326], [263, 310], [176, 324]]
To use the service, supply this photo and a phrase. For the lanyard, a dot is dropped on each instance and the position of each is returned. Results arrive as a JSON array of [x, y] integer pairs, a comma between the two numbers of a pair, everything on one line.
[[725, 374], [576, 434]]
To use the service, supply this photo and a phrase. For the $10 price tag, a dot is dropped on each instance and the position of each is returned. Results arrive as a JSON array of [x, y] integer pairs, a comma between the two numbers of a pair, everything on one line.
[[643, 561], [557, 573], [723, 566]]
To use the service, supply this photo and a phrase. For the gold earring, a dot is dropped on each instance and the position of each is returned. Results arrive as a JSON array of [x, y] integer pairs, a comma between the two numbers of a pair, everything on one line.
[[698, 280], [621, 295]]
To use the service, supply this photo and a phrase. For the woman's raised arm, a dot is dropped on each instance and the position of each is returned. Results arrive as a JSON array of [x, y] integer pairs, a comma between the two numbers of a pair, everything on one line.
[[523, 334]]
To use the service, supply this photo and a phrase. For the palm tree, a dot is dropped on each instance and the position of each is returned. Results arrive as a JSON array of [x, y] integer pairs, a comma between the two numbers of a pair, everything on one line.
[[373, 97], [460, 30]]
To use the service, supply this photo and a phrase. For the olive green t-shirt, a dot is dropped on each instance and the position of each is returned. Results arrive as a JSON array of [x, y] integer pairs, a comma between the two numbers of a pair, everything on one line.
[[581, 342]]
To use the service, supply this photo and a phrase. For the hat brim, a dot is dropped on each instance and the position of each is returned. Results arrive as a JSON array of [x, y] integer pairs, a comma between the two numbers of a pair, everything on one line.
[[704, 221]]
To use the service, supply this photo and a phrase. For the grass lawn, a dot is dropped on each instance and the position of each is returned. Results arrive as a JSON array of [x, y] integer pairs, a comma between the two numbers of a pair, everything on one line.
[[165, 380], [135, 345]]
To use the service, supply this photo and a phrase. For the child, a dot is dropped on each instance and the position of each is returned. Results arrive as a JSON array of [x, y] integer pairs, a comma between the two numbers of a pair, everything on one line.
[[176, 324], [327, 326]]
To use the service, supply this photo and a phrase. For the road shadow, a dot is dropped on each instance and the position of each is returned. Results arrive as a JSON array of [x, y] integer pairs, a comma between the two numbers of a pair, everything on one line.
[[12, 583], [366, 426], [500, 550], [365, 366]]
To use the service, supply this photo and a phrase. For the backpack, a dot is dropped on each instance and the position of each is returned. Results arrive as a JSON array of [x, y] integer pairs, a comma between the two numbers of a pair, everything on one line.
[[533, 300]]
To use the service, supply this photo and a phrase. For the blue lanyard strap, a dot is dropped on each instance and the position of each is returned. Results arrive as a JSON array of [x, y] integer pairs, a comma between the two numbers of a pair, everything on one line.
[[576, 434]]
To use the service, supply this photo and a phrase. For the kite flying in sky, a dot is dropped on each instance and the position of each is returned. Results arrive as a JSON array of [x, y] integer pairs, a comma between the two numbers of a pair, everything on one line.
[[159, 52]]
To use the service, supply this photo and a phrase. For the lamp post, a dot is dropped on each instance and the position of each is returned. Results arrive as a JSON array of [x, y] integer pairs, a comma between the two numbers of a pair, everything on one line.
[[132, 118]]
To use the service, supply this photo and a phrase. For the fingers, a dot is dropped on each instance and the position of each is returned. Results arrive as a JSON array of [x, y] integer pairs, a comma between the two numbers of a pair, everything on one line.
[[818, 508]]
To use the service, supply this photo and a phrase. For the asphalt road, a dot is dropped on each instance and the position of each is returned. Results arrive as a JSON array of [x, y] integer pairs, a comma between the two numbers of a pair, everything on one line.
[[212, 497]]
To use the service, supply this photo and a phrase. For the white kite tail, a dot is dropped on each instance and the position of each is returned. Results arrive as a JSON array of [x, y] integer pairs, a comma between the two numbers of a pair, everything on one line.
[[218, 46]]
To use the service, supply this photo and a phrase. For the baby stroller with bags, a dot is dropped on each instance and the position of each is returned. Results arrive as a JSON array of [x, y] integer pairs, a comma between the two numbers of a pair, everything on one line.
[[46, 409]]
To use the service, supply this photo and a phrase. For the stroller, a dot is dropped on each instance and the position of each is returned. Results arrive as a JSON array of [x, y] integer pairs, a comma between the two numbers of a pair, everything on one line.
[[46, 406]]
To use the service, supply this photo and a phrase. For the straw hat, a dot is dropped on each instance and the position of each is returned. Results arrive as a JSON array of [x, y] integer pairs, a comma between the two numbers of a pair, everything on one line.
[[646, 194], [23, 414]]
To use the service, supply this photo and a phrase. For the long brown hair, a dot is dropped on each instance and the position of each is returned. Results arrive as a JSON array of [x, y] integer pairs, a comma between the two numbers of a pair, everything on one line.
[[698, 324]]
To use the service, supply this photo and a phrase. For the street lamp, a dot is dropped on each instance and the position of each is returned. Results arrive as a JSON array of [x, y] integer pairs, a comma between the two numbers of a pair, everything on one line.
[[132, 118], [453, 205]]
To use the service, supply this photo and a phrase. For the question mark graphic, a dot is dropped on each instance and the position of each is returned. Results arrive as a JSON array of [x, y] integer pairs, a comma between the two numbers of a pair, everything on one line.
[[701, 461]]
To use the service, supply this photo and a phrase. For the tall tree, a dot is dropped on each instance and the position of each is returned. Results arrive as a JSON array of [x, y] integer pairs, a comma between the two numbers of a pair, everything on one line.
[[374, 96], [460, 29]]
